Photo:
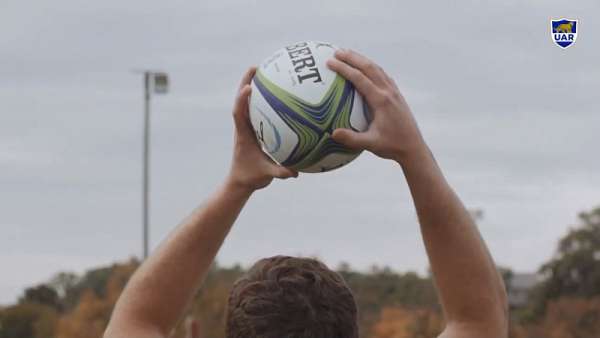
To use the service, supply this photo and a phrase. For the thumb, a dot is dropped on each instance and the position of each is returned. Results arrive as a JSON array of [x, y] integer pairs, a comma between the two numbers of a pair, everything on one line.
[[282, 172], [351, 138]]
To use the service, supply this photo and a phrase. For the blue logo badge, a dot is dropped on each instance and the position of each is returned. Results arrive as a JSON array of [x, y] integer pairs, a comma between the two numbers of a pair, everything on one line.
[[564, 32]]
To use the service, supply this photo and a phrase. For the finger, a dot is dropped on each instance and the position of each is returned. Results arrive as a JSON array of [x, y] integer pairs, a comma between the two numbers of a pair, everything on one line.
[[240, 106], [362, 83], [240, 112], [364, 64], [282, 172], [391, 81], [352, 139], [247, 78]]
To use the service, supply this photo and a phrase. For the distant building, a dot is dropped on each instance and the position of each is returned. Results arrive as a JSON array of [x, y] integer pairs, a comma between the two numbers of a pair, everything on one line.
[[519, 288]]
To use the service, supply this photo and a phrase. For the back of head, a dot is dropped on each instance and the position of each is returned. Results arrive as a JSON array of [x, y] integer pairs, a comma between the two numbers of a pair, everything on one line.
[[288, 297]]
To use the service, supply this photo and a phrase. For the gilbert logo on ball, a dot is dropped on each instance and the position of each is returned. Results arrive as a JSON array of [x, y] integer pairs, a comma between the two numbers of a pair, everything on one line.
[[564, 32], [296, 104]]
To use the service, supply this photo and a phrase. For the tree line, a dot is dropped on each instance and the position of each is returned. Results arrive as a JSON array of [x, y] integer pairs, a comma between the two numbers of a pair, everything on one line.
[[565, 303]]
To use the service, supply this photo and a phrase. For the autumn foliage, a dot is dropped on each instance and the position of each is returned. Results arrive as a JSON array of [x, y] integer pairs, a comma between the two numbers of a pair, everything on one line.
[[91, 314], [393, 306], [566, 304], [399, 322]]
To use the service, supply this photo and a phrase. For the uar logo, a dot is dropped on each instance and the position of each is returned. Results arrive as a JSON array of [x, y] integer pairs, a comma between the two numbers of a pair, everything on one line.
[[564, 32]]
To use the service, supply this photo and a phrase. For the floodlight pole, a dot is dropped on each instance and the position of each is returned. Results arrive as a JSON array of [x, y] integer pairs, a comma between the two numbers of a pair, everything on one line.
[[157, 82], [146, 160]]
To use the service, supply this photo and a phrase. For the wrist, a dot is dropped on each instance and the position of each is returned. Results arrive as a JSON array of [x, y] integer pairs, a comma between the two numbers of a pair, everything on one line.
[[421, 166], [416, 153], [237, 187]]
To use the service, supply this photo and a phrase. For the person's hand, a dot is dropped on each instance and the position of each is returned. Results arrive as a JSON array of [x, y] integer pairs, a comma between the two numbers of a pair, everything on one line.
[[251, 169], [393, 132]]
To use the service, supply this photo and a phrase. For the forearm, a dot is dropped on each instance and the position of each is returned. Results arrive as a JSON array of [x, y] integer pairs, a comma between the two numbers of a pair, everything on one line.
[[158, 293], [161, 288], [469, 284], [470, 287]]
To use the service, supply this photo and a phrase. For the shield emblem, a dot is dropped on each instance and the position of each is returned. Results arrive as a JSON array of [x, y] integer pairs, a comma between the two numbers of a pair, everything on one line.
[[564, 32]]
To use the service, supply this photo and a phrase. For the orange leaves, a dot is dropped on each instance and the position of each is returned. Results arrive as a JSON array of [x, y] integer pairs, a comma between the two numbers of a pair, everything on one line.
[[88, 319], [92, 313], [399, 322]]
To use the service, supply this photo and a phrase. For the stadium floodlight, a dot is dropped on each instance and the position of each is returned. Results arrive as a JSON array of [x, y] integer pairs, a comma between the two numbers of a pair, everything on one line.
[[160, 82], [156, 82]]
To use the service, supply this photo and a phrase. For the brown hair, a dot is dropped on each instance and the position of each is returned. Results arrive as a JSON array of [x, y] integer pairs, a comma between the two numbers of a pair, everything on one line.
[[289, 297]]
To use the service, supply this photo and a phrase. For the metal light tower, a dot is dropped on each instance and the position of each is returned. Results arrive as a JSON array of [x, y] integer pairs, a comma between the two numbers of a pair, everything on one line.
[[158, 83]]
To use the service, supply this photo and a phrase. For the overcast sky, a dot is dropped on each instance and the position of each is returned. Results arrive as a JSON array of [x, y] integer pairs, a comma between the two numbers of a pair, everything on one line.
[[512, 118]]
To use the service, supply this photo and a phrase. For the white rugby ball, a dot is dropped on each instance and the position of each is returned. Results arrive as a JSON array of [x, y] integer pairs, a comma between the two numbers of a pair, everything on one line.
[[296, 104]]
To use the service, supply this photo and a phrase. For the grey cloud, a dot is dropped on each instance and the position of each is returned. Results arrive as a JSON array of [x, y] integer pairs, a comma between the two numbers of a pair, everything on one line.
[[512, 118]]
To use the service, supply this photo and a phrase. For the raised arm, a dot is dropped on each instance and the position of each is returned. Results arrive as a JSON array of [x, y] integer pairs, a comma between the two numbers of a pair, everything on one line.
[[470, 288], [159, 291]]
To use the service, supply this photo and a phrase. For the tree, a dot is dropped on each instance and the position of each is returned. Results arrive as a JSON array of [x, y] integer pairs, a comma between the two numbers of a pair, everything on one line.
[[27, 320], [91, 314], [86, 303], [566, 317], [383, 288], [507, 276], [64, 282], [87, 320], [575, 269], [41, 294], [399, 322], [210, 302]]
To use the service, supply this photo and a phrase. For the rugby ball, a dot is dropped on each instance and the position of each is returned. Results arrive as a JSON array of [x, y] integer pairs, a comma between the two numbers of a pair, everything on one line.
[[296, 104]]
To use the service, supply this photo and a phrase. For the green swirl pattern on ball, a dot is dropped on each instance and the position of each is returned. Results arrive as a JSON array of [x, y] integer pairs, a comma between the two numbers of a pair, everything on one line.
[[312, 123]]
